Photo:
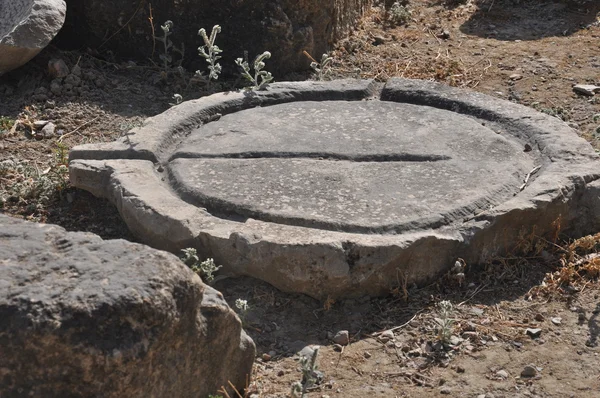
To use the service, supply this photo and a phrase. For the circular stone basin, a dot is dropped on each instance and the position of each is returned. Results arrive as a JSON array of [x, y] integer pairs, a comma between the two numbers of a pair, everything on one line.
[[346, 188], [368, 166]]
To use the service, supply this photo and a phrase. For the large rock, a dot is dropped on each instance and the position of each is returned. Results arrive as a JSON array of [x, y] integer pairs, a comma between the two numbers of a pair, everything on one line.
[[83, 317], [26, 27], [283, 27]]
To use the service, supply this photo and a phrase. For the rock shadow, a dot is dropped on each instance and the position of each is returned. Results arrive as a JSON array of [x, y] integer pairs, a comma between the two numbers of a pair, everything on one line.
[[286, 323], [120, 88], [525, 20]]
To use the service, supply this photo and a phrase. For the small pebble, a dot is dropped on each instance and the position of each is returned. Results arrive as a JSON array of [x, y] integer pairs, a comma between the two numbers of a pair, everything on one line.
[[342, 337], [556, 321], [503, 374], [57, 68], [529, 371], [539, 317], [386, 336], [533, 333], [48, 130]]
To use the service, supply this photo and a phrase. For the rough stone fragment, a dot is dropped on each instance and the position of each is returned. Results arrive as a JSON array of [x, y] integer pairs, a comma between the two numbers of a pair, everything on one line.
[[534, 333], [586, 89], [342, 337], [57, 68], [48, 130], [26, 27], [286, 28], [83, 317], [502, 374], [332, 188], [529, 371]]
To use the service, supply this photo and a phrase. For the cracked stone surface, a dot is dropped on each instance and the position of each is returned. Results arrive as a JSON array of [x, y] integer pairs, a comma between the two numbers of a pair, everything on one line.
[[333, 189]]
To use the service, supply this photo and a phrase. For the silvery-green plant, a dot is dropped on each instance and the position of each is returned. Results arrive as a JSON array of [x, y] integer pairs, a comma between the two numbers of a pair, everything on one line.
[[310, 375], [177, 99], [243, 307], [205, 269], [32, 185], [210, 52], [261, 77], [399, 14], [444, 321], [322, 68], [168, 46]]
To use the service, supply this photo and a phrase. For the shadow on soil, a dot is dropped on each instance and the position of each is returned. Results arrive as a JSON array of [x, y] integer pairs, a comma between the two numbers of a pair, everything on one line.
[[594, 328], [286, 323], [530, 20], [126, 89]]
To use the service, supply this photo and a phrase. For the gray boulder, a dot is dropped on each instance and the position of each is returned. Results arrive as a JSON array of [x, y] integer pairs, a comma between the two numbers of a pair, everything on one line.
[[84, 317], [284, 27], [26, 27]]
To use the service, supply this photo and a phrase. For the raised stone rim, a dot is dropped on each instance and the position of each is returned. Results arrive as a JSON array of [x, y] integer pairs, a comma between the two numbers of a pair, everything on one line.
[[327, 263]]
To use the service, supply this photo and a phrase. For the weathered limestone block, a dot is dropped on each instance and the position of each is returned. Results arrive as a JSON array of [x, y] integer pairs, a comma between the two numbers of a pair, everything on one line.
[[26, 27], [84, 317], [284, 27]]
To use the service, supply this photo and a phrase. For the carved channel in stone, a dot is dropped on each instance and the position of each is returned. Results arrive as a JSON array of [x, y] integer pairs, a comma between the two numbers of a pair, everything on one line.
[[360, 166], [380, 157]]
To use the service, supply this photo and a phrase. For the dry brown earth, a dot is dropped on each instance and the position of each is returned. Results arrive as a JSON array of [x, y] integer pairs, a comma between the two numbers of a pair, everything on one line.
[[527, 51]]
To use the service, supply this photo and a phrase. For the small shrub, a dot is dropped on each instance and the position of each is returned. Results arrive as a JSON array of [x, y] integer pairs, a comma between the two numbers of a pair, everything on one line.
[[310, 375], [243, 307], [444, 321], [28, 184], [210, 52], [166, 57], [322, 68], [205, 269], [6, 124], [261, 77], [398, 14]]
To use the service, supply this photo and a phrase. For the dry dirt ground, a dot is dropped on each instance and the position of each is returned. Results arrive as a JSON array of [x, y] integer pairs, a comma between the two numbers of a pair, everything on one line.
[[527, 51]]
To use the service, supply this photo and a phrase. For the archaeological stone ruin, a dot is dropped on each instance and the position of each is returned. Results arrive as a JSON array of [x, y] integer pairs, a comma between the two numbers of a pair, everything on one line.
[[339, 188]]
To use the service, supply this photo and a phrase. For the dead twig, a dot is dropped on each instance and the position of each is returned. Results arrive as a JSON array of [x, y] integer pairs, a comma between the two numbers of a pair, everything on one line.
[[376, 334], [477, 291], [528, 176], [124, 25], [151, 19], [76, 129]]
